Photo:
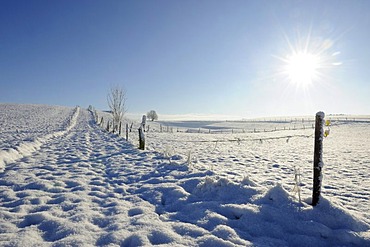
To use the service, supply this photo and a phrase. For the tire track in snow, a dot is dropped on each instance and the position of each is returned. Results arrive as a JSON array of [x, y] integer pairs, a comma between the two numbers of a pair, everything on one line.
[[27, 148]]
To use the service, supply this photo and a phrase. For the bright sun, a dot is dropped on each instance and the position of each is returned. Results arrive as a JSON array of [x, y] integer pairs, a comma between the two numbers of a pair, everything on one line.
[[302, 68], [307, 61]]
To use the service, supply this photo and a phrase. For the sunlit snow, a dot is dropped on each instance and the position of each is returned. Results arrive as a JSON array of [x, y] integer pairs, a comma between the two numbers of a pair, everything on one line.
[[65, 181]]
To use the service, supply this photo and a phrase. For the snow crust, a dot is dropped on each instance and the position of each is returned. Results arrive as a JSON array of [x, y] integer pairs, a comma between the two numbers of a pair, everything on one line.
[[81, 186]]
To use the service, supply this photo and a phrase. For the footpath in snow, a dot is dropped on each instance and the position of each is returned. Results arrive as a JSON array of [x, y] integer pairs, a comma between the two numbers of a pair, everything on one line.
[[83, 186]]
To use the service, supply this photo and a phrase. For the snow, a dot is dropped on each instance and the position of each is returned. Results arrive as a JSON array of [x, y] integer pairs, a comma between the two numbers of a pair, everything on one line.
[[30, 144], [77, 185]]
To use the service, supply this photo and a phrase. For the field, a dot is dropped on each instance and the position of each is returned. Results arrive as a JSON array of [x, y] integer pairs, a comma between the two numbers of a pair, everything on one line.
[[66, 181]]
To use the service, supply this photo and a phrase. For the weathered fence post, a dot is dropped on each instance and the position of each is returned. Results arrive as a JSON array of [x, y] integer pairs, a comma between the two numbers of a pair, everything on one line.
[[141, 133], [317, 160], [108, 126], [141, 139], [143, 122], [114, 127], [127, 132], [120, 127]]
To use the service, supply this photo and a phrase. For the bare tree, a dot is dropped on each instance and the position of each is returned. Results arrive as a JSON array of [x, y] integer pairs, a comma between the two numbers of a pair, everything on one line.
[[117, 104], [152, 115]]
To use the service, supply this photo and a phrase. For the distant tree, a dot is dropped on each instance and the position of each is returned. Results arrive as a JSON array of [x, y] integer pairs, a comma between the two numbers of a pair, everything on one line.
[[152, 115], [117, 104]]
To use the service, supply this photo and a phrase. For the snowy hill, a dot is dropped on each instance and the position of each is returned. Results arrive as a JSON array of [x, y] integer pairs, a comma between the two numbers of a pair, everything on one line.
[[64, 181]]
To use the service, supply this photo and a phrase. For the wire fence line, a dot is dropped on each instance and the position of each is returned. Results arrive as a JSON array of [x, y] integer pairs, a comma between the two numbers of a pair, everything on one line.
[[259, 126], [239, 140], [232, 130], [256, 126], [153, 133]]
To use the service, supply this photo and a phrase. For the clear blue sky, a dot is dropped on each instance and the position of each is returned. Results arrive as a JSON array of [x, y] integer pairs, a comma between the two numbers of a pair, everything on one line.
[[185, 57]]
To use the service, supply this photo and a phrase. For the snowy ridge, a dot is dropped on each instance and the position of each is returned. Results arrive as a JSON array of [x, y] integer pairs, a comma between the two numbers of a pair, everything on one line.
[[70, 124], [26, 148]]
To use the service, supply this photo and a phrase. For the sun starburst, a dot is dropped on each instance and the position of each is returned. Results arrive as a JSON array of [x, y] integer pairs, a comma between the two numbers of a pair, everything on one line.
[[308, 61], [302, 68]]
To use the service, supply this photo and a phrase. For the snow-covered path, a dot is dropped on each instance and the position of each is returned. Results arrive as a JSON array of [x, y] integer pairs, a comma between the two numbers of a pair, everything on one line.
[[85, 187], [71, 192]]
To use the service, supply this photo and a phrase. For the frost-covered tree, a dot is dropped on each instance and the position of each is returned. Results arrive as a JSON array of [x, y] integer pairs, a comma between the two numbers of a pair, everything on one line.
[[117, 104], [152, 115]]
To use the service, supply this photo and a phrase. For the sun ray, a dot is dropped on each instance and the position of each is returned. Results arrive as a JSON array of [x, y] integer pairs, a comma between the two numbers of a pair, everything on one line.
[[308, 59]]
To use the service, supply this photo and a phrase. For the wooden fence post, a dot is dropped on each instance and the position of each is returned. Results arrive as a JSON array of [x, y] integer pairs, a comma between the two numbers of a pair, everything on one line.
[[108, 126], [317, 160], [141, 139], [120, 127], [127, 132]]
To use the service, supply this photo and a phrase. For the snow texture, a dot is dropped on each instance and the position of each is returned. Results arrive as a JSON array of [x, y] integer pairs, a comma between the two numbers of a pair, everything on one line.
[[78, 185]]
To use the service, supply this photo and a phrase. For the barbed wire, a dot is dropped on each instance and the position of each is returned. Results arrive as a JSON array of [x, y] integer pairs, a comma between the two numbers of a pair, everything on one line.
[[239, 140]]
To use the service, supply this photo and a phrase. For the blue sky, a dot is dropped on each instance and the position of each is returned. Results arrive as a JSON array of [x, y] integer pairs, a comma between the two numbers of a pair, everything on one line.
[[186, 57]]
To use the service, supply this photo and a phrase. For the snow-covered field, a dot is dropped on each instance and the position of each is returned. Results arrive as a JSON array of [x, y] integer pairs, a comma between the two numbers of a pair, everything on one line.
[[66, 182]]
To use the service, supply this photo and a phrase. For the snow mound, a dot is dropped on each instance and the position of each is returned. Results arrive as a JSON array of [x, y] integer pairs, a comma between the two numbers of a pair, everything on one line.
[[325, 224], [277, 196], [215, 188]]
